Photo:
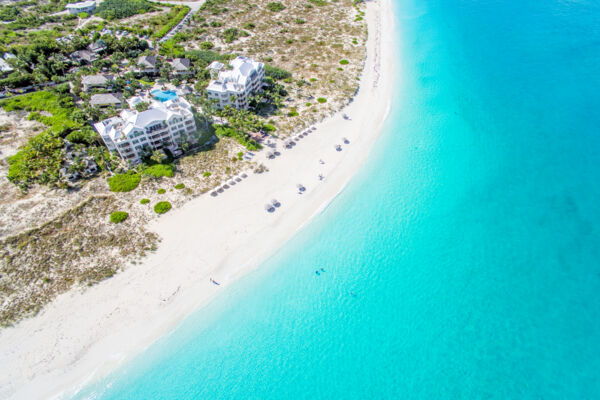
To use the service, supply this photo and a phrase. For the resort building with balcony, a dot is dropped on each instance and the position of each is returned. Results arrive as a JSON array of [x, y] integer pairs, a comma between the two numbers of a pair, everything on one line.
[[232, 87], [133, 134]]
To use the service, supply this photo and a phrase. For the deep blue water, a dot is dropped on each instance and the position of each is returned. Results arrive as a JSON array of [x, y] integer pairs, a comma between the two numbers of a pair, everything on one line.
[[470, 240]]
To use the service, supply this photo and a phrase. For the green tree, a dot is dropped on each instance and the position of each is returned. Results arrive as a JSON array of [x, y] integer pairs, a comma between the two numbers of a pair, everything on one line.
[[157, 156]]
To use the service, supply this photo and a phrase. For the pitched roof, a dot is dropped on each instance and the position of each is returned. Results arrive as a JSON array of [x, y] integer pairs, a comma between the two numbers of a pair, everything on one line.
[[181, 64], [98, 79], [148, 61], [84, 55], [106, 98]]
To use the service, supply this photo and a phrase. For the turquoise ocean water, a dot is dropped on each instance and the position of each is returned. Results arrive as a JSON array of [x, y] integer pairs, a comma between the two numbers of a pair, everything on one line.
[[462, 262]]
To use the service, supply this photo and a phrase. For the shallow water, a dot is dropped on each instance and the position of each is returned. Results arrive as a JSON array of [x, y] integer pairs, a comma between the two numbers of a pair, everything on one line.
[[463, 261], [163, 95]]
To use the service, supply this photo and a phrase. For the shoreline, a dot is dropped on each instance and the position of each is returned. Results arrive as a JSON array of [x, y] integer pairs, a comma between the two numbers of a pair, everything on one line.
[[84, 335]]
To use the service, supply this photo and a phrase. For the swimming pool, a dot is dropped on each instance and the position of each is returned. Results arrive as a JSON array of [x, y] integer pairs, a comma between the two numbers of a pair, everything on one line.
[[164, 95]]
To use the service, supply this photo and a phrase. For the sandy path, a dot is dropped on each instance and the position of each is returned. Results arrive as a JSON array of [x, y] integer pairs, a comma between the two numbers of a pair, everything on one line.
[[84, 335]]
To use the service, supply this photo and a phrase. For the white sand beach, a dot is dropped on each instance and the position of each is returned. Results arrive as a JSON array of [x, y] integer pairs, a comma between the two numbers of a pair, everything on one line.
[[83, 335]]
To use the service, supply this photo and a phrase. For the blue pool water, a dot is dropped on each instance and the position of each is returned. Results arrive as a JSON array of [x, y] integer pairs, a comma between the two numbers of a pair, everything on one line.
[[163, 95], [470, 240]]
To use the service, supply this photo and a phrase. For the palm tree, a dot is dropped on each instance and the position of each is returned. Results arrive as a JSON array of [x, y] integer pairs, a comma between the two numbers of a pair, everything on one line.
[[157, 156]]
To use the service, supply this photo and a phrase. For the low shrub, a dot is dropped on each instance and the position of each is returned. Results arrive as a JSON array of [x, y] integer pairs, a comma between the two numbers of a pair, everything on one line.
[[144, 201], [206, 174], [242, 137], [344, 62], [207, 45], [322, 100], [179, 186], [162, 207], [124, 182], [159, 170], [161, 191], [118, 217], [275, 6], [231, 35], [277, 73]]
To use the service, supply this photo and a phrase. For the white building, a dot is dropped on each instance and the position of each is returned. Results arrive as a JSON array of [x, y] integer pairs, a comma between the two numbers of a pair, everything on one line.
[[133, 134], [5, 67], [233, 86], [84, 6]]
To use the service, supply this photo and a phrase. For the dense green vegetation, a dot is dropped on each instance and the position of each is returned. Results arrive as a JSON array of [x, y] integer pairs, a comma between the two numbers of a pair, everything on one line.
[[59, 105], [9, 13], [85, 135], [344, 62], [161, 191], [159, 170], [322, 100], [118, 216], [162, 207], [124, 182], [277, 73], [319, 3], [118, 9], [275, 6], [42, 59], [39, 161], [170, 48], [144, 201], [175, 15], [179, 186]]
